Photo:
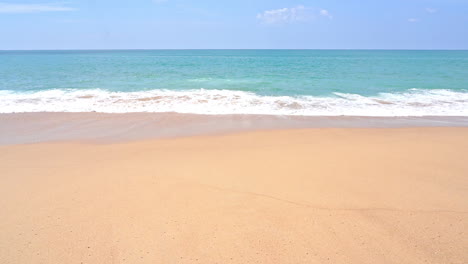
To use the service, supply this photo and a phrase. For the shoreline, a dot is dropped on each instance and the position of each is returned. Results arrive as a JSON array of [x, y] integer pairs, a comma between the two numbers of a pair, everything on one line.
[[24, 128]]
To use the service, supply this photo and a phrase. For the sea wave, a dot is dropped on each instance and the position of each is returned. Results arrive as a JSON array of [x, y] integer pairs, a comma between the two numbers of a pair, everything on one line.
[[414, 102]]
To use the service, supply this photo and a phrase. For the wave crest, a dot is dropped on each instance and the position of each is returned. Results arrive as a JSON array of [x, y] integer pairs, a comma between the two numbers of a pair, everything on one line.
[[414, 102]]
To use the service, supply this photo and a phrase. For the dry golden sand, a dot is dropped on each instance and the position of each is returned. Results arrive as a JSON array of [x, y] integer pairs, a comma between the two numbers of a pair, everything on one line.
[[287, 196]]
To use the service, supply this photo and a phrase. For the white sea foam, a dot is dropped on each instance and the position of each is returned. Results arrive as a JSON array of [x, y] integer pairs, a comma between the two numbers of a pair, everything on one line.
[[415, 102]]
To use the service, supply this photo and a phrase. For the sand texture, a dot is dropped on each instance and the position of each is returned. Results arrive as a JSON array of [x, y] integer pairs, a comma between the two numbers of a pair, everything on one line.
[[343, 195]]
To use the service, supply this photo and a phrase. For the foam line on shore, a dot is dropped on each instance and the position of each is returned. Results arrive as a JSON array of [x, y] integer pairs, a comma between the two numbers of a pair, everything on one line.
[[413, 102]]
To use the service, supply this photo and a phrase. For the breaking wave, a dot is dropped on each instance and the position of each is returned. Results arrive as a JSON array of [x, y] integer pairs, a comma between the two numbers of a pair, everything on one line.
[[414, 102]]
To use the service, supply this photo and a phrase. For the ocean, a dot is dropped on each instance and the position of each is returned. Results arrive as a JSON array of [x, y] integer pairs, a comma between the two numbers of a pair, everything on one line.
[[265, 82]]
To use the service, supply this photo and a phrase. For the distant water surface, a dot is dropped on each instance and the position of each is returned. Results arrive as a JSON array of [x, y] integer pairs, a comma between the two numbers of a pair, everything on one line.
[[279, 82]]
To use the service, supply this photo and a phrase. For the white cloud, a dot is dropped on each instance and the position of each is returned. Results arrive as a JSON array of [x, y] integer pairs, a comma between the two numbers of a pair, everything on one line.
[[413, 20], [325, 13], [283, 15], [290, 15], [431, 10], [32, 8]]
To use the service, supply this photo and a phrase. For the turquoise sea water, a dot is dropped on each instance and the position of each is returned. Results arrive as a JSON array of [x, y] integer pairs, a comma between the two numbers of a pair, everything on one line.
[[289, 82]]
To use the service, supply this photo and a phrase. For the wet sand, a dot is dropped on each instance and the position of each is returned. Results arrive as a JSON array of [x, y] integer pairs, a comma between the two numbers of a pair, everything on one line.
[[320, 195], [23, 128]]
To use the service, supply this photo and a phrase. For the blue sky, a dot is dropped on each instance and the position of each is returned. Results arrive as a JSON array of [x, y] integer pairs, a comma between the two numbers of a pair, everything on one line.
[[182, 24]]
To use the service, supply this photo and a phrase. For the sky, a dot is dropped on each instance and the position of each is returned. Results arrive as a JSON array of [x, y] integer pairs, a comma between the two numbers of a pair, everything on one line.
[[236, 24]]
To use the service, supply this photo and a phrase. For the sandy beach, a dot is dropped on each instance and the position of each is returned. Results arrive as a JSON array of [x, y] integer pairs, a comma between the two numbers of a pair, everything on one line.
[[315, 195], [233, 132]]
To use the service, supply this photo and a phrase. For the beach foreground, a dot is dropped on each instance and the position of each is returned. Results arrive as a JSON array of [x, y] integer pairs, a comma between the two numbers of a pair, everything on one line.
[[323, 195]]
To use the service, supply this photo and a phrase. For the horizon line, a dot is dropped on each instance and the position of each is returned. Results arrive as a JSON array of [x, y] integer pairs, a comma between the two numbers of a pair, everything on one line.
[[143, 49]]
